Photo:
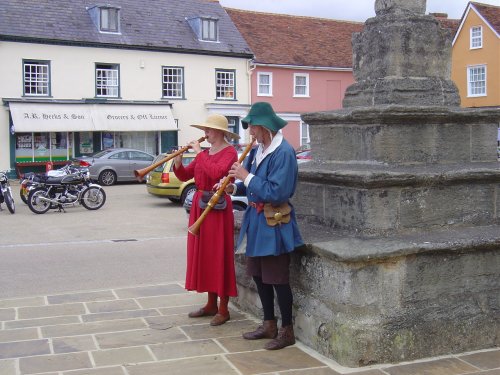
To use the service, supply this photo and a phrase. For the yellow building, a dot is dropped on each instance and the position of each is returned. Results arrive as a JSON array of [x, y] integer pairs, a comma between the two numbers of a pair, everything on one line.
[[476, 56]]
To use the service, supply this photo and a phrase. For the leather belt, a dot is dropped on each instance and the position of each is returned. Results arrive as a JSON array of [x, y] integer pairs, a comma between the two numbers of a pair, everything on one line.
[[258, 206]]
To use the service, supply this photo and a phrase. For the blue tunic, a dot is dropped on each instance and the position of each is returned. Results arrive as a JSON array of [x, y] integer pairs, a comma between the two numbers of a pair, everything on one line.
[[274, 182]]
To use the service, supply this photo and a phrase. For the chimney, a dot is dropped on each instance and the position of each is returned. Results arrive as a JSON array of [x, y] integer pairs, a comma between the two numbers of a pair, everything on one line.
[[439, 15]]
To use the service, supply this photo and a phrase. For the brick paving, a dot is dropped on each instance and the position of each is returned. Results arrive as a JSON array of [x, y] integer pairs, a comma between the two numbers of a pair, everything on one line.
[[145, 331]]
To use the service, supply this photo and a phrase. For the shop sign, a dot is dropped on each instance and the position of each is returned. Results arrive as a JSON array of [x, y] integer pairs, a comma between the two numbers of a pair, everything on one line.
[[32, 117]]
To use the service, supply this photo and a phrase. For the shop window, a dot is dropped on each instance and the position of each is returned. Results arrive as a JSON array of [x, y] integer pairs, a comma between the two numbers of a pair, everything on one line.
[[59, 146], [24, 147], [108, 140], [39, 147], [86, 143]]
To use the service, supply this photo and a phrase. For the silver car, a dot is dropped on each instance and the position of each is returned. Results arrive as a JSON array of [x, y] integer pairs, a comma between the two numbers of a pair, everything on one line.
[[116, 164]]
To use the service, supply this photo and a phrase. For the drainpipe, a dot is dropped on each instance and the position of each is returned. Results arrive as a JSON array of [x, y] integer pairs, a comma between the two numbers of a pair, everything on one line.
[[250, 68]]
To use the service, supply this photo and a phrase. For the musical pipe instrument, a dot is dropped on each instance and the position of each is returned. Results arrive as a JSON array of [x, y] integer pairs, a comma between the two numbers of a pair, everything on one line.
[[140, 173], [195, 228]]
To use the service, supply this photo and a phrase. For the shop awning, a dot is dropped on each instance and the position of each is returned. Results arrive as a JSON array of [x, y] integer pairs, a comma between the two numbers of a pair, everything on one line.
[[57, 117]]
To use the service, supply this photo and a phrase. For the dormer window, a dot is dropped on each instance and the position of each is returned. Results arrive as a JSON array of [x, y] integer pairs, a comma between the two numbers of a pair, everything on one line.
[[109, 20], [209, 29], [106, 18], [205, 28]]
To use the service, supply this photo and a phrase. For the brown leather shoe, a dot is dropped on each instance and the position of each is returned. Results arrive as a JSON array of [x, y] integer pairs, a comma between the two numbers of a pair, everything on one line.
[[285, 338], [268, 330], [219, 319], [201, 312]]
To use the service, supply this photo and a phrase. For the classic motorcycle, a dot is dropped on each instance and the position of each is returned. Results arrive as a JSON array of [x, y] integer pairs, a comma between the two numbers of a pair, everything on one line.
[[6, 192], [66, 191], [31, 180]]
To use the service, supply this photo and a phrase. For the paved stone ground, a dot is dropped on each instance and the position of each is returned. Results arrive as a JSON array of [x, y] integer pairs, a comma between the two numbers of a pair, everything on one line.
[[145, 331]]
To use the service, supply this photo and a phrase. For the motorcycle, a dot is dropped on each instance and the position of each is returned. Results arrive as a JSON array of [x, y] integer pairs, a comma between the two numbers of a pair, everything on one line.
[[66, 191], [31, 180], [6, 192]]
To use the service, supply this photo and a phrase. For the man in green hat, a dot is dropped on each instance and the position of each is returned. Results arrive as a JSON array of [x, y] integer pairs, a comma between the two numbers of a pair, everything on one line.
[[269, 225]]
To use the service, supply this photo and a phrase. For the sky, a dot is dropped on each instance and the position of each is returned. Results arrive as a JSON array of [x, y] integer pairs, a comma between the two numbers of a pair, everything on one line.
[[354, 10]]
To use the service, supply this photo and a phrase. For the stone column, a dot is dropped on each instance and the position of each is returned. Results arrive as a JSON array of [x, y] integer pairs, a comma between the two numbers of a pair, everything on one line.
[[400, 207]]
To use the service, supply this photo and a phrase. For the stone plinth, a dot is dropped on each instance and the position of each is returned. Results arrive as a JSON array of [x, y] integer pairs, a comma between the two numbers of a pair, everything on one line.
[[368, 300], [400, 207], [388, 169], [363, 301], [404, 135]]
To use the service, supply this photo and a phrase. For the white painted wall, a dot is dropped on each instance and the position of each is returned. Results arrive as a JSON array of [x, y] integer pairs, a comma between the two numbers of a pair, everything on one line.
[[73, 77]]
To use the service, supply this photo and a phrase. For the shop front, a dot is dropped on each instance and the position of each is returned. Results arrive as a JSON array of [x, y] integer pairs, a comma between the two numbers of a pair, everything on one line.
[[49, 134]]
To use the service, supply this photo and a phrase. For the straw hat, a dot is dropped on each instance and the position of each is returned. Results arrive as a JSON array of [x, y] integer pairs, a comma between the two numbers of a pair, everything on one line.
[[218, 122]]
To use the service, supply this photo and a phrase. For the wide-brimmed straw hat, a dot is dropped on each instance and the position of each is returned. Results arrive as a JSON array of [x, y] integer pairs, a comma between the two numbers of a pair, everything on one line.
[[262, 114], [218, 122]]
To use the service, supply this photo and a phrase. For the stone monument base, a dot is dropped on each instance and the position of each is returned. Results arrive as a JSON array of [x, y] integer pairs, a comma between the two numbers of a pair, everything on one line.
[[363, 301]]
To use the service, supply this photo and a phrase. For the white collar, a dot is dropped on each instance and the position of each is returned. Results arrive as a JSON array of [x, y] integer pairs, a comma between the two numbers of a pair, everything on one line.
[[275, 142]]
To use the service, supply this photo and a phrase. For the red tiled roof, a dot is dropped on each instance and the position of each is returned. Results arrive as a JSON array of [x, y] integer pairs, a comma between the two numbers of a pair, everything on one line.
[[449, 23], [296, 40], [491, 13]]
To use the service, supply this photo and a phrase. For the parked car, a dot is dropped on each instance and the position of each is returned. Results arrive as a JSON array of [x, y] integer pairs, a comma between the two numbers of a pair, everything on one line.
[[304, 156], [240, 202], [162, 181], [116, 164], [304, 147]]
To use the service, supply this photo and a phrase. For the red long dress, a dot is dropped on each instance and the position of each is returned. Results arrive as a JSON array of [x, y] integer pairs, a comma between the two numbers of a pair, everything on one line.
[[210, 254]]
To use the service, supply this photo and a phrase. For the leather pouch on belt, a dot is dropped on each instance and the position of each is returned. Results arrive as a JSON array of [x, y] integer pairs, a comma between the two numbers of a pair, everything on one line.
[[221, 203], [277, 214]]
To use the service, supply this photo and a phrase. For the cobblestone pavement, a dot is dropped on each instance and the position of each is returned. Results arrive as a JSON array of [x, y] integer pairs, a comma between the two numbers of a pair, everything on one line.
[[146, 331]]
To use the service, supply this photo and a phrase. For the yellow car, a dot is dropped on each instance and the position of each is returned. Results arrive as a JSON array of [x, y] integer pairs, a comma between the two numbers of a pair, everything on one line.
[[162, 181]]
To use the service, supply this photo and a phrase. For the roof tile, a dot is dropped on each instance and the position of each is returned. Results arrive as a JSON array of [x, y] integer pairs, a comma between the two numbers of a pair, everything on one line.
[[157, 25], [491, 13], [296, 40]]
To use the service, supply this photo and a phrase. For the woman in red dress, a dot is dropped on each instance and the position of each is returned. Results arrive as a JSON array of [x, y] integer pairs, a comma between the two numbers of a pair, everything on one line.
[[210, 254]]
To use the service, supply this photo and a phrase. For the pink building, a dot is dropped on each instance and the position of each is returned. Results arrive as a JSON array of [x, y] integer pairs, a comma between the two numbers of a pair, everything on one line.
[[301, 64]]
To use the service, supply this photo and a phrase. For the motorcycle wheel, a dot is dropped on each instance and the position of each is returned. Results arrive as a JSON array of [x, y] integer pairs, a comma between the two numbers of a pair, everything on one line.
[[9, 201], [93, 198], [37, 205]]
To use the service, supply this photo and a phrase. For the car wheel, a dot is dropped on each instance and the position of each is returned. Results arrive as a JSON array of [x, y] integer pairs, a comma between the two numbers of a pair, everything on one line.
[[174, 200], [107, 177], [186, 191]]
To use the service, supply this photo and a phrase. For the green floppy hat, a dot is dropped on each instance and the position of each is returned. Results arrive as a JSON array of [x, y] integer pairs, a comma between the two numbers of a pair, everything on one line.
[[261, 113]]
